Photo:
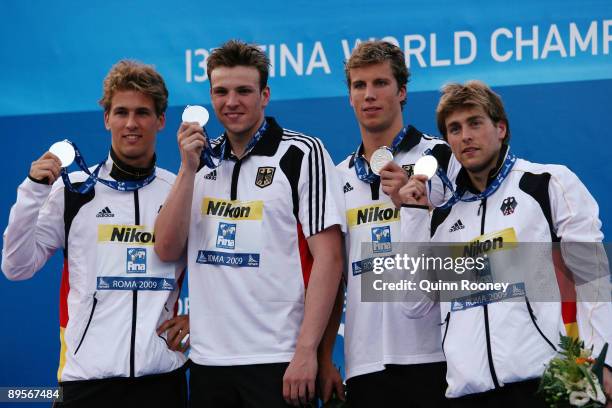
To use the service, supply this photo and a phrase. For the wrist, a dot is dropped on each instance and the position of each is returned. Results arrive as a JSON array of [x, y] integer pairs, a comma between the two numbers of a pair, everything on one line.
[[305, 349]]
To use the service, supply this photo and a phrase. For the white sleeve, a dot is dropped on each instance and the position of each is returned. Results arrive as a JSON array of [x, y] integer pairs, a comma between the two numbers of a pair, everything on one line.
[[35, 229], [415, 226], [575, 216], [320, 198]]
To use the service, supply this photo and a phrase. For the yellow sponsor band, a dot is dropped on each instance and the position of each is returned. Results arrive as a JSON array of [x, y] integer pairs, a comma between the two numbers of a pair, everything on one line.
[[232, 209], [375, 214], [130, 234], [508, 235], [487, 243]]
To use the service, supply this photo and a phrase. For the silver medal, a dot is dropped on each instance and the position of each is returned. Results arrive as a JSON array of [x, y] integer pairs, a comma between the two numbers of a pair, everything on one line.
[[380, 158], [426, 166], [196, 113], [64, 151]]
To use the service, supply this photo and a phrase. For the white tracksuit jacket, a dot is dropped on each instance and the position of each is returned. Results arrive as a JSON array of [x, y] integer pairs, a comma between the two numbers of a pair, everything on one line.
[[115, 292], [489, 345]]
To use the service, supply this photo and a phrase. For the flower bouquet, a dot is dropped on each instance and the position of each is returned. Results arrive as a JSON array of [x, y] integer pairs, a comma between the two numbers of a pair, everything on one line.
[[574, 378]]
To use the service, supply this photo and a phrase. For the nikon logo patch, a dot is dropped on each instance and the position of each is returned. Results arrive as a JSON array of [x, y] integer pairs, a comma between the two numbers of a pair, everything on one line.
[[495, 241], [264, 177], [125, 234], [232, 210], [382, 213]]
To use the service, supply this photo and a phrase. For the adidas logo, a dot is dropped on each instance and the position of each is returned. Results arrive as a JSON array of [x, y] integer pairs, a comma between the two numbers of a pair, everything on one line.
[[211, 176], [457, 226], [347, 187], [105, 212]]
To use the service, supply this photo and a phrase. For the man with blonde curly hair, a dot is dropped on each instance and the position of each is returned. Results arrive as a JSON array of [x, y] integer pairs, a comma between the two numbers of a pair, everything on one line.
[[115, 291]]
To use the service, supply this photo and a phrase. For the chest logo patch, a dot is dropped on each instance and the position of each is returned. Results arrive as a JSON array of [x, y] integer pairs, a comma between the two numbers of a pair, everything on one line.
[[226, 236], [508, 206], [381, 239], [136, 260], [264, 177], [409, 168]]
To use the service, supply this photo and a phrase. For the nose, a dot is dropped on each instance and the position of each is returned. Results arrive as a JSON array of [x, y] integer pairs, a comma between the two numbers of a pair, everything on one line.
[[466, 134], [232, 100], [370, 95], [131, 121]]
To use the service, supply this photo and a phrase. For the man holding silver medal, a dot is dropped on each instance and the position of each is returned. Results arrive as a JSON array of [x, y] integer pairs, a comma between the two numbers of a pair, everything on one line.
[[115, 291], [260, 209], [390, 360], [497, 349]]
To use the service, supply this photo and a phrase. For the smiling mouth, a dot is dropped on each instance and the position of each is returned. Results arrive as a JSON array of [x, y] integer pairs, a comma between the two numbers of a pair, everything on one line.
[[132, 137], [233, 114]]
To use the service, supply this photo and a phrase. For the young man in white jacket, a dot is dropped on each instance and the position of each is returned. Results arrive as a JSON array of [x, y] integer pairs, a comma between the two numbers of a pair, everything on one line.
[[497, 346], [390, 359], [115, 291]]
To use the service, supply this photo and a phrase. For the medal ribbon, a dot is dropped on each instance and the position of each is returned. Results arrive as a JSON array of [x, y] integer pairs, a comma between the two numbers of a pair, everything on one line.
[[362, 168], [507, 165], [90, 182], [208, 155]]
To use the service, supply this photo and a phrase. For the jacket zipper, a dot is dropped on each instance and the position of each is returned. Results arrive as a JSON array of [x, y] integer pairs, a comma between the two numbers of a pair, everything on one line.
[[134, 296], [483, 205], [93, 309], [447, 321], [533, 319]]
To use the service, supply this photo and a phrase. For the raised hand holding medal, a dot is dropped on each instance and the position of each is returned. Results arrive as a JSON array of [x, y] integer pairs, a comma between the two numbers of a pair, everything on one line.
[[190, 140]]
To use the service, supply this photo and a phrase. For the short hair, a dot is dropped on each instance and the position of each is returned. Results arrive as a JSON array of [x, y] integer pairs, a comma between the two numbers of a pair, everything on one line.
[[238, 53], [376, 52], [128, 75], [472, 94]]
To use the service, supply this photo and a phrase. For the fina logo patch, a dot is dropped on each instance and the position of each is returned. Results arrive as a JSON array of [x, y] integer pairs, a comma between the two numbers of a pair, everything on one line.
[[508, 206], [136, 260], [226, 236], [381, 239], [264, 177]]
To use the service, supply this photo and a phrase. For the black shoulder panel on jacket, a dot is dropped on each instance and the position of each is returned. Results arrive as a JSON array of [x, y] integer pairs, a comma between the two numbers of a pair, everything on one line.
[[536, 185], [438, 217], [72, 204], [442, 152], [291, 164]]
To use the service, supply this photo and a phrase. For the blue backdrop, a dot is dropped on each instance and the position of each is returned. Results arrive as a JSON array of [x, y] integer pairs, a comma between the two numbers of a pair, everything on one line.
[[549, 60]]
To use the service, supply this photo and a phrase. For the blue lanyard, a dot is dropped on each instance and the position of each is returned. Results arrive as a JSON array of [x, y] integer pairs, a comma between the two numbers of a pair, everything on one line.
[[364, 173], [207, 155], [509, 162], [91, 181]]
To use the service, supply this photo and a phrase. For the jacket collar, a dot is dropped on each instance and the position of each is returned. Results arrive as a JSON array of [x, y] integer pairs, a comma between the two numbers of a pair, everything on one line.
[[463, 179], [266, 146], [124, 172]]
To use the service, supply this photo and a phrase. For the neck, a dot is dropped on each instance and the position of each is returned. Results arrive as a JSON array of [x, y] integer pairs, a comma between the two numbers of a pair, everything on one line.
[[130, 170], [240, 141], [373, 139], [480, 178]]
